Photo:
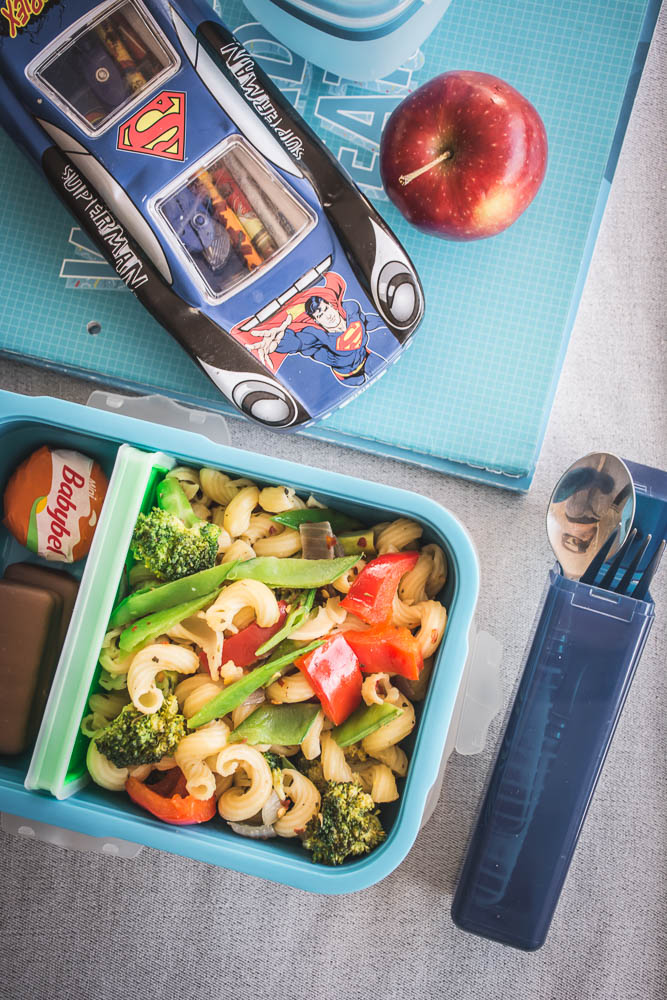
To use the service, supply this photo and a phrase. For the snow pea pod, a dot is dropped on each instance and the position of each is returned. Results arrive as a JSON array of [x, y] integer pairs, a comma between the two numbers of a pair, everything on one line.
[[146, 629], [170, 497], [294, 620], [236, 693], [294, 518], [167, 595], [364, 721], [361, 542], [302, 574], [284, 724]]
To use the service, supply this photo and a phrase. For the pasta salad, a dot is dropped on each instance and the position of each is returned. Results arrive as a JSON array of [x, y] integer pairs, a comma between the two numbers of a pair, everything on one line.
[[264, 664]]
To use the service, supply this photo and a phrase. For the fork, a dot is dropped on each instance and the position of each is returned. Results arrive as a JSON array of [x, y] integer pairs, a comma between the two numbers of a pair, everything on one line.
[[634, 549]]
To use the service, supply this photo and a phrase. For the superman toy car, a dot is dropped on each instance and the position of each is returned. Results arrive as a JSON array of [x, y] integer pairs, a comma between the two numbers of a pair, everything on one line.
[[211, 197]]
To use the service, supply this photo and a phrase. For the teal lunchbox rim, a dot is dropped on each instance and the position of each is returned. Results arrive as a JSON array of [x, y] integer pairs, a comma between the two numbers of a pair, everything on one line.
[[251, 857]]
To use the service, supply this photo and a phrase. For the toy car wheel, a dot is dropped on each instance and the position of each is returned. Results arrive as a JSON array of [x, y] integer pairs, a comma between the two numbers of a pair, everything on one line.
[[398, 294]]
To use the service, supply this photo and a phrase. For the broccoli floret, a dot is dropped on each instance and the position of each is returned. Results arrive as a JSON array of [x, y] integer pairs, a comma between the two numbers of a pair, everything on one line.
[[136, 738], [166, 681], [355, 755], [170, 549], [276, 763], [312, 770], [348, 824], [273, 760]]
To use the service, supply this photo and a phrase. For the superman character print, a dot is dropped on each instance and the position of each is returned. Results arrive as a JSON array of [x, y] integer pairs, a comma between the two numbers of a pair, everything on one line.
[[325, 325]]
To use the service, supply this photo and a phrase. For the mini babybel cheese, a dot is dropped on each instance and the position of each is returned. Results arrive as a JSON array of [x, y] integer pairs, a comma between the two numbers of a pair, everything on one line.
[[53, 502]]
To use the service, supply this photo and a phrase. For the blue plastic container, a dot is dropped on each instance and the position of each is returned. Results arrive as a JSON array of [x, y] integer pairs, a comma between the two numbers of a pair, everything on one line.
[[579, 668], [25, 424], [357, 39]]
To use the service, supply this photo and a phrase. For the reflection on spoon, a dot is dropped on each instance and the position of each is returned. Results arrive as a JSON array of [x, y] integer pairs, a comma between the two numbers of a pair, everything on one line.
[[591, 500]]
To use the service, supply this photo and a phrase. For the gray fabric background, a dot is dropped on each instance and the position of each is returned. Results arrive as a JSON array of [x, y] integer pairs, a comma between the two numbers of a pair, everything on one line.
[[85, 926]]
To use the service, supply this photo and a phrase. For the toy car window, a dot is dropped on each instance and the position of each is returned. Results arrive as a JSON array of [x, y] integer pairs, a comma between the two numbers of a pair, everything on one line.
[[105, 65], [233, 217]]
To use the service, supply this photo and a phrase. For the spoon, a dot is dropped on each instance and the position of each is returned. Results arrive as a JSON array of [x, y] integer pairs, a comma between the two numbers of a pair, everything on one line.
[[592, 501]]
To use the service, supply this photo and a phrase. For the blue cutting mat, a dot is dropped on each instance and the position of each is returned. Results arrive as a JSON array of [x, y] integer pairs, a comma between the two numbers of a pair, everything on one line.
[[473, 394]]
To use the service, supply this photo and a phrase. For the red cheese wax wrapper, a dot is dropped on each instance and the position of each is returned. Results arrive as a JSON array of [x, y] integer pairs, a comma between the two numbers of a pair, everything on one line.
[[53, 502]]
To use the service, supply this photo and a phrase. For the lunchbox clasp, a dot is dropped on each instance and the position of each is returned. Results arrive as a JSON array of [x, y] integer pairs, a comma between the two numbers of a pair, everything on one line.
[[159, 409], [69, 839]]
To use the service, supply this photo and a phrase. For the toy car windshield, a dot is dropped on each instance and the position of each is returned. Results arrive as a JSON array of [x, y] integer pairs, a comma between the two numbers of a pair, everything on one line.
[[233, 217], [105, 65]]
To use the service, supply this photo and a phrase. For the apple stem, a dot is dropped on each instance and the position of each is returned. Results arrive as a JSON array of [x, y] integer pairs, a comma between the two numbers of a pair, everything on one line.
[[406, 178]]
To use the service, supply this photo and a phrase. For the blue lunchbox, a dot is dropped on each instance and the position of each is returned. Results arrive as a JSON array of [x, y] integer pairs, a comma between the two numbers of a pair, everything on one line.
[[358, 40], [462, 698]]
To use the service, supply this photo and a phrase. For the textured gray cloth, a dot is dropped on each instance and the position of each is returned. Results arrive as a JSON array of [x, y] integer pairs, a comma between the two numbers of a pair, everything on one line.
[[86, 926]]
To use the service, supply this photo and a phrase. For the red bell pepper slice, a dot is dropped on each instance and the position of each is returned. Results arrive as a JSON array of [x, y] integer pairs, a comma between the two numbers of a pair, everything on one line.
[[334, 674], [167, 799], [372, 593], [241, 647], [387, 649]]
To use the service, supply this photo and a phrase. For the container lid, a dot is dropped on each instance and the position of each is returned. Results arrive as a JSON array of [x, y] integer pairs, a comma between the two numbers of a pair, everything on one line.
[[352, 15]]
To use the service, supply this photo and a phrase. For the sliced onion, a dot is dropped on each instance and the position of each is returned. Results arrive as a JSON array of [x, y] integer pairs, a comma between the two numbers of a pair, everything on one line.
[[317, 540], [254, 832], [254, 698], [270, 809]]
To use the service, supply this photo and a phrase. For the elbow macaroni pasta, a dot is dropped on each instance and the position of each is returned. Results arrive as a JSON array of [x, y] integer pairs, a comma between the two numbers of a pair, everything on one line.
[[378, 689], [203, 512], [379, 780], [238, 511], [321, 621], [412, 587], [395, 758], [150, 661], [103, 772], [224, 541], [187, 686], [238, 803], [198, 632], [191, 754], [306, 802], [200, 697], [392, 732], [277, 499], [334, 765], [310, 747], [285, 543], [433, 622], [239, 595], [290, 689], [261, 526], [239, 551], [187, 478], [397, 535], [219, 487], [408, 615], [345, 580], [438, 575]]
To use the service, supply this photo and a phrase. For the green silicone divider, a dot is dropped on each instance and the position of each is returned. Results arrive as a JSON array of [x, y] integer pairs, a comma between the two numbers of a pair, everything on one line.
[[58, 761]]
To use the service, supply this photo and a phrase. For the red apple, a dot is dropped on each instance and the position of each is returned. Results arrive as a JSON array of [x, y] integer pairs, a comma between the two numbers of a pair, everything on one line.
[[463, 156]]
